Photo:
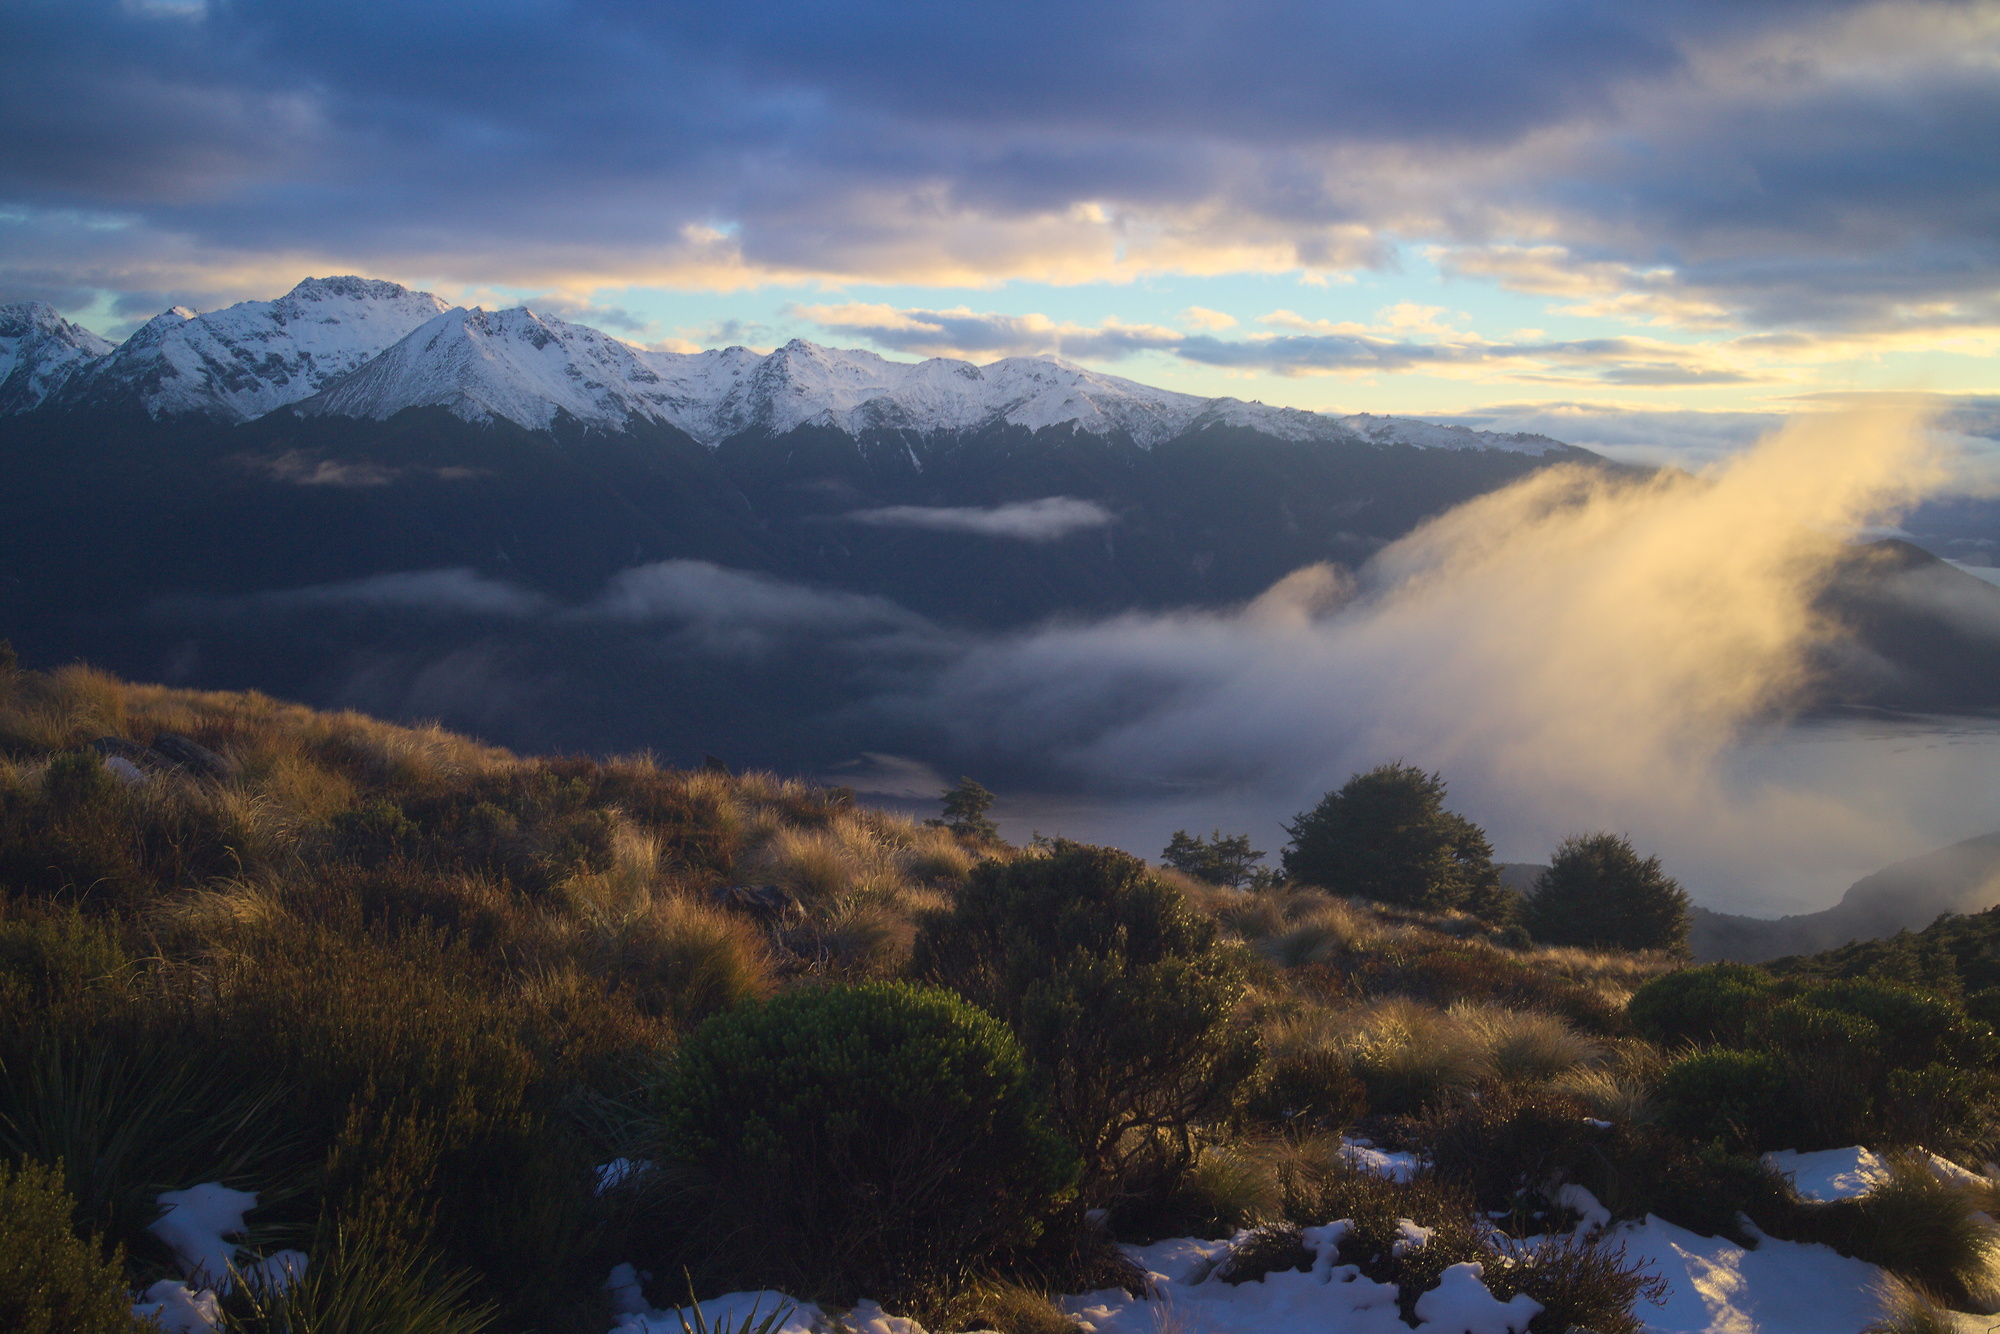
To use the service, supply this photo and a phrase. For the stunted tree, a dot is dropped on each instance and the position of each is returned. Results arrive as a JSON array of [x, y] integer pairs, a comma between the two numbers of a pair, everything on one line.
[[965, 807], [1385, 835], [1600, 893], [1228, 861], [1122, 995]]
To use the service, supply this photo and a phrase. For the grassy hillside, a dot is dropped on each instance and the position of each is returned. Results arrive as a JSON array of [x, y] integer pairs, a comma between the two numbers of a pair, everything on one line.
[[415, 992]]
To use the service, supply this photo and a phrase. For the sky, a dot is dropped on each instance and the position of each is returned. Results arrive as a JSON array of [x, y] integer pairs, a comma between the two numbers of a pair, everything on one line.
[[1654, 225]]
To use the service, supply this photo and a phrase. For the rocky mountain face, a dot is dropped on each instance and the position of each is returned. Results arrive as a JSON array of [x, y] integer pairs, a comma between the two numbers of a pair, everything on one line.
[[239, 363], [39, 352]]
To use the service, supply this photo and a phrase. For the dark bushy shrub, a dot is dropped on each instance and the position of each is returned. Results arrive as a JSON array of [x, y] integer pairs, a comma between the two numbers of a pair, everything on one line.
[[1385, 835], [1121, 995], [1599, 893], [51, 1280], [866, 1140], [1832, 1063], [1506, 1146], [1710, 1004], [1309, 1089], [1738, 1097]]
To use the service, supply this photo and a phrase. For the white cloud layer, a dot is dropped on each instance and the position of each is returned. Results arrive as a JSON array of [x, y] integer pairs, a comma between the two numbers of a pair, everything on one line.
[[1046, 520]]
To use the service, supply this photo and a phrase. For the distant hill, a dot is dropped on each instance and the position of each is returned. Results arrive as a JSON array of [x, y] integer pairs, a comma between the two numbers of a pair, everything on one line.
[[1961, 879]]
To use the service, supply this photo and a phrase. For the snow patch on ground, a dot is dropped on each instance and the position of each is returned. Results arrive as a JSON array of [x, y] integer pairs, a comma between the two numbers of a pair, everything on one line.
[[1782, 1287], [1830, 1174], [194, 1225], [1395, 1166], [179, 1309]]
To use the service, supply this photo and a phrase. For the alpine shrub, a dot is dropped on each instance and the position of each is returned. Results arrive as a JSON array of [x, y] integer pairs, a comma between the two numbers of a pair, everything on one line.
[[1121, 995], [1832, 1062], [51, 1280], [1699, 1005], [1738, 1097], [873, 1139]]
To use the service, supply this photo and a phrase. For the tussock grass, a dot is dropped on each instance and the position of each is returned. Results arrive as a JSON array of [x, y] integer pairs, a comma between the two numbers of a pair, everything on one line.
[[1523, 1046], [446, 970], [1908, 1309]]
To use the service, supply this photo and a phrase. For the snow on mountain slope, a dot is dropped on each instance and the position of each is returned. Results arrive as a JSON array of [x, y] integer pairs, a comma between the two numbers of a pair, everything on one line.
[[528, 368], [39, 351], [244, 361], [357, 347], [511, 364], [1428, 435]]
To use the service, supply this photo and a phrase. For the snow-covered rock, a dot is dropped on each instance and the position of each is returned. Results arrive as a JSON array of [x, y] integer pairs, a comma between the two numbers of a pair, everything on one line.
[[196, 1223], [39, 352], [248, 359]]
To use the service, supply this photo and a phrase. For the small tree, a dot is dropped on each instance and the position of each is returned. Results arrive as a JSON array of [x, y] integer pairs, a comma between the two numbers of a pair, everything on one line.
[[1385, 835], [1227, 861], [1123, 998], [965, 806], [1598, 893]]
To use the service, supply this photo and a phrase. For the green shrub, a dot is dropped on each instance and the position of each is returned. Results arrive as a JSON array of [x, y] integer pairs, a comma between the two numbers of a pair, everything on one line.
[[1832, 1062], [1385, 835], [1599, 893], [1710, 1004], [51, 1280], [1943, 1107], [859, 1140], [1916, 1027], [1121, 995], [1737, 1097]]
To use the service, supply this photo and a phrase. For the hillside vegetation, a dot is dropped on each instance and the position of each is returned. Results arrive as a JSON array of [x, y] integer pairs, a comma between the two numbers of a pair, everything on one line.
[[417, 993]]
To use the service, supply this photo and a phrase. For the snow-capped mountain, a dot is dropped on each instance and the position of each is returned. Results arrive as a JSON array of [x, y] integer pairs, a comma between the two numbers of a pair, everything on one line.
[[243, 361], [39, 351], [365, 349], [527, 368]]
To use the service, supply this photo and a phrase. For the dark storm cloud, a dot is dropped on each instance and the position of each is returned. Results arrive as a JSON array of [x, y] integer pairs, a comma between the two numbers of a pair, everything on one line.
[[173, 147]]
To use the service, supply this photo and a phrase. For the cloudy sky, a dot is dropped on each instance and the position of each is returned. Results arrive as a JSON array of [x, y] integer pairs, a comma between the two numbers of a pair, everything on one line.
[[1614, 222]]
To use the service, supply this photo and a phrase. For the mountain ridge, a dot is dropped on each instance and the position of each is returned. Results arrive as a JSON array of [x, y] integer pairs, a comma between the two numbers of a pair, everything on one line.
[[365, 348]]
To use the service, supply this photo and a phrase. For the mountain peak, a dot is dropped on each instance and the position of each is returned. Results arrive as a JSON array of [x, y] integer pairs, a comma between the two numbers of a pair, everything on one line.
[[250, 358], [39, 352]]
